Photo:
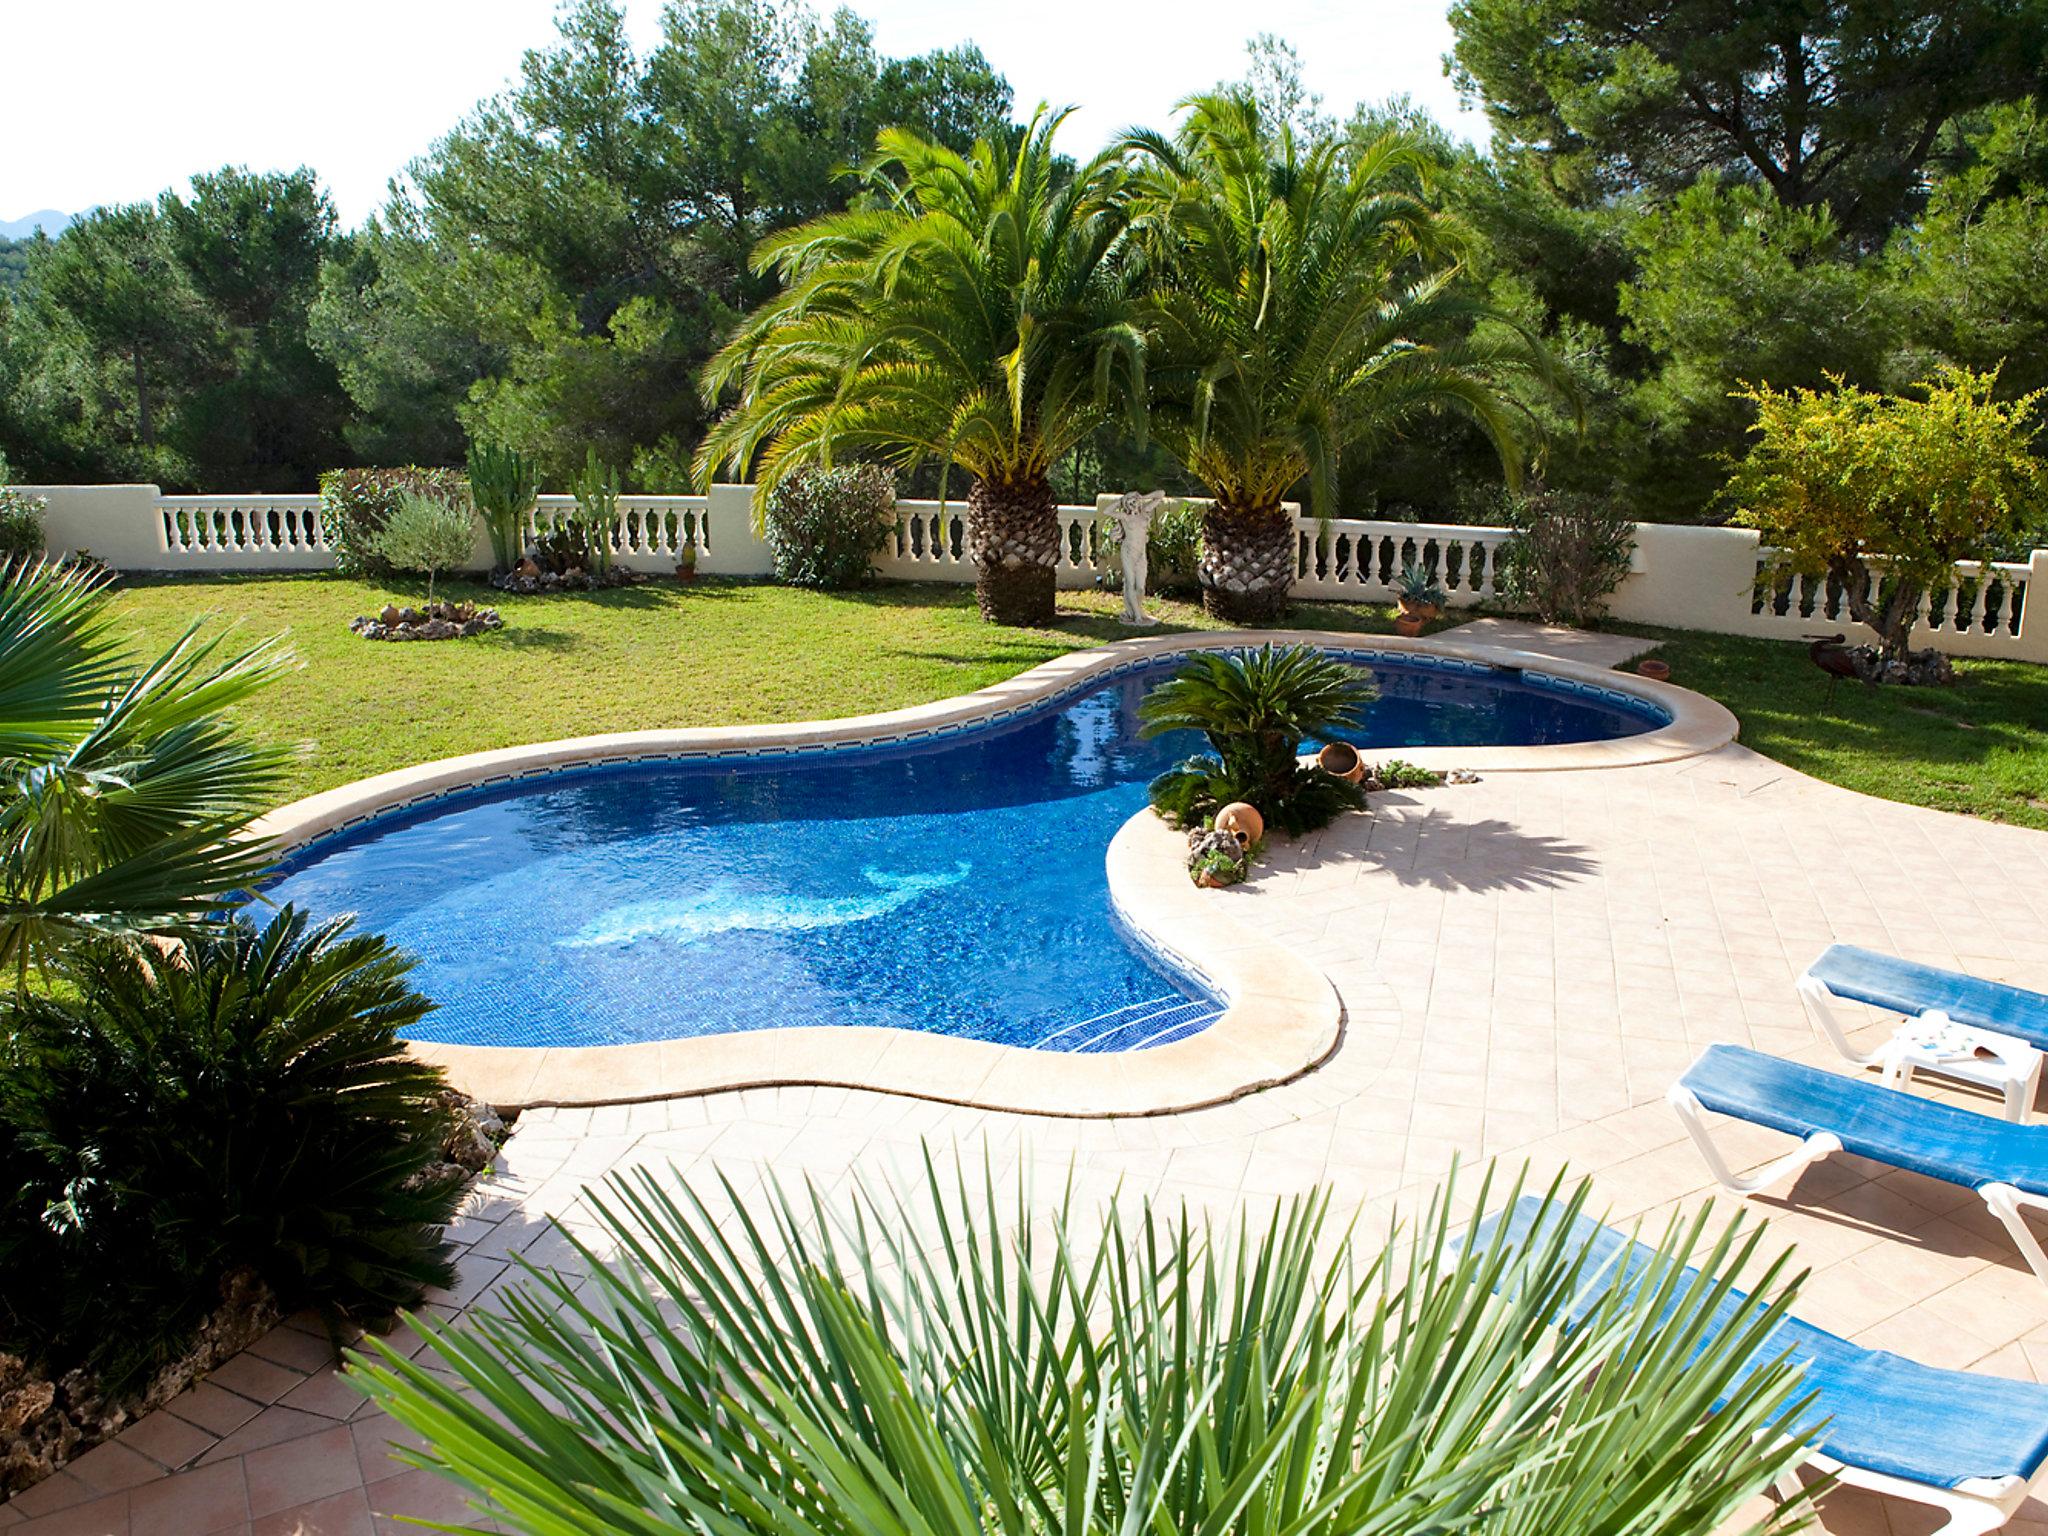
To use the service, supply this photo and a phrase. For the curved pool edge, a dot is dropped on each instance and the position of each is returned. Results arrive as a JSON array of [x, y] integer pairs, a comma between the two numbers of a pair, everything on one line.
[[1282, 1018], [1698, 724]]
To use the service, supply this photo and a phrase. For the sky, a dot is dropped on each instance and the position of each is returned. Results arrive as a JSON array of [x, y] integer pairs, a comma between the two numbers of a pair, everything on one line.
[[128, 97]]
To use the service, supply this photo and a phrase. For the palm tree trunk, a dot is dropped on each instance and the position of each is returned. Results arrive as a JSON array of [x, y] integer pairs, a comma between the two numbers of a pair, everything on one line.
[[1248, 556], [1013, 536]]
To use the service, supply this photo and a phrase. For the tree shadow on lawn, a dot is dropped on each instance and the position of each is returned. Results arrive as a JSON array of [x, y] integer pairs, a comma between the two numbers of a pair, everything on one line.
[[526, 637]]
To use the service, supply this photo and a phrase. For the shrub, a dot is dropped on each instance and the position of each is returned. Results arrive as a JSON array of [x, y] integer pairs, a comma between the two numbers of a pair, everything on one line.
[[1255, 706], [427, 534], [825, 526], [168, 1122], [505, 484], [356, 503], [1886, 494], [21, 525], [1567, 555]]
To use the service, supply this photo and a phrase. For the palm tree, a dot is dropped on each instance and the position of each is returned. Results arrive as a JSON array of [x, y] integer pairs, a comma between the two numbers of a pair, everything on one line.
[[1302, 306], [977, 315], [125, 791], [936, 1358]]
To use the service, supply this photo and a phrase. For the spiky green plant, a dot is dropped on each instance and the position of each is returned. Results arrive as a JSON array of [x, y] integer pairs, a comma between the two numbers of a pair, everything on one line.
[[918, 1361], [126, 788], [975, 311], [505, 484], [597, 510], [1255, 707], [248, 1106], [1303, 304]]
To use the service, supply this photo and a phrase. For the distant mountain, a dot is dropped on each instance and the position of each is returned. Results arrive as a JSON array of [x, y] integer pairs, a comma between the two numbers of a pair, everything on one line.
[[48, 219]]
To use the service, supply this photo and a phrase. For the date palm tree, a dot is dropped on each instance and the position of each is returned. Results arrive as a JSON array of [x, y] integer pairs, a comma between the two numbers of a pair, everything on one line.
[[125, 790], [977, 315], [1303, 304], [936, 1358]]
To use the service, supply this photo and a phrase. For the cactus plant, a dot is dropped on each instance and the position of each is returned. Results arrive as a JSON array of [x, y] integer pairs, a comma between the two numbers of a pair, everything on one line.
[[504, 483], [597, 511]]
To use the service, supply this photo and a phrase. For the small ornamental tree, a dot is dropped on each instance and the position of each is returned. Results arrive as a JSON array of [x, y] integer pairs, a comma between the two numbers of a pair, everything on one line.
[[1886, 494], [428, 535]]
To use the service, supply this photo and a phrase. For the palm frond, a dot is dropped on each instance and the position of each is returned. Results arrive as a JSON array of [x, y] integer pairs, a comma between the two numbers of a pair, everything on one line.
[[944, 1356]]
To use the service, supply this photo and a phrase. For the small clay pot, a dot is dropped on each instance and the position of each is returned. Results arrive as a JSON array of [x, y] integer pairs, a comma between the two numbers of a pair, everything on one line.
[[1409, 624], [1340, 760], [1243, 819], [1655, 671]]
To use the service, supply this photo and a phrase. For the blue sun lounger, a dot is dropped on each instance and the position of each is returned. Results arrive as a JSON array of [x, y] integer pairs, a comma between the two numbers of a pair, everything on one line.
[[1906, 987], [2005, 1164], [1969, 1445]]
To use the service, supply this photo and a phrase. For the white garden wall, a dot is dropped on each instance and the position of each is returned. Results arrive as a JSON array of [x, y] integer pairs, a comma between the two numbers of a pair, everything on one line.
[[1682, 577]]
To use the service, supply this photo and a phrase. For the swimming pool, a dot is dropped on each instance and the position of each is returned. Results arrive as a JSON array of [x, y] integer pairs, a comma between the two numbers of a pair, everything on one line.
[[954, 886]]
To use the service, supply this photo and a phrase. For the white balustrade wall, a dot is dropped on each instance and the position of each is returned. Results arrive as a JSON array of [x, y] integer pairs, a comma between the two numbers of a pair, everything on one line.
[[1681, 576]]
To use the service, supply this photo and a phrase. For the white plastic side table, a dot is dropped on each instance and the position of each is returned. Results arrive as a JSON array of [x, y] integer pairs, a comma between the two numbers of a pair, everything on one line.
[[1935, 1043]]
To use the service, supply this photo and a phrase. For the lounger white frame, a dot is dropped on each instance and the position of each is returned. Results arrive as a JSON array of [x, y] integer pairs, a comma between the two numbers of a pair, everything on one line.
[[1974, 1507], [2019, 1089], [2007, 1202]]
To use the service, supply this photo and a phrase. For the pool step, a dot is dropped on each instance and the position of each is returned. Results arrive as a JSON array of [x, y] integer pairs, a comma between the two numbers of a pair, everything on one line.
[[1136, 1026]]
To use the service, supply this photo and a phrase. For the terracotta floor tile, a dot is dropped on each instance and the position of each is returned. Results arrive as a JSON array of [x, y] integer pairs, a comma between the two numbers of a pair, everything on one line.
[[195, 1503], [301, 1471]]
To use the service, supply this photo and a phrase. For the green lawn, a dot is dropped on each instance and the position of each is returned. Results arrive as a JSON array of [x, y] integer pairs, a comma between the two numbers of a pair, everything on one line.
[[712, 653], [1978, 748]]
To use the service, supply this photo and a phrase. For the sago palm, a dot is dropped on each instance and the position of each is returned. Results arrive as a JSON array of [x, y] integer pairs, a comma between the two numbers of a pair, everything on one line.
[[976, 315], [1255, 707], [125, 790], [919, 1361], [1303, 304]]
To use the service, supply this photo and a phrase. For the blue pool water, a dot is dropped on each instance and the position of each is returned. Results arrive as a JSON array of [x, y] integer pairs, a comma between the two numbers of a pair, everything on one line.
[[955, 886]]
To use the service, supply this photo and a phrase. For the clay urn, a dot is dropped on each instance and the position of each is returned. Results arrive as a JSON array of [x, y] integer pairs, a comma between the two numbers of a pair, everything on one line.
[[1340, 760], [1243, 819], [389, 616]]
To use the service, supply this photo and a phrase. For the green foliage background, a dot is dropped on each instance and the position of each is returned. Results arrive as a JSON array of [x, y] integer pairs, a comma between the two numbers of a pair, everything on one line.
[[1681, 200]]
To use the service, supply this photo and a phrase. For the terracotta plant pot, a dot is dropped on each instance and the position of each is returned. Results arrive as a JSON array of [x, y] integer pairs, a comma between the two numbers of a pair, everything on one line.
[[1655, 671], [1243, 819], [1340, 760], [1410, 609], [1409, 624]]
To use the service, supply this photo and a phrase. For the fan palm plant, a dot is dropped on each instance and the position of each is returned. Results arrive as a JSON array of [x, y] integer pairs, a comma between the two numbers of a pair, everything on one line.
[[1255, 707], [1303, 304], [854, 1367], [977, 315], [125, 791]]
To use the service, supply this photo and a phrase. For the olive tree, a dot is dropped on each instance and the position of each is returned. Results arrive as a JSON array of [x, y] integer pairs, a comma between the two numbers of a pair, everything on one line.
[[1886, 494], [428, 535]]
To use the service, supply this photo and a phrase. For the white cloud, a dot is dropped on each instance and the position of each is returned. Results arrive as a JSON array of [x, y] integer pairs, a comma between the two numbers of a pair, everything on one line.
[[114, 100]]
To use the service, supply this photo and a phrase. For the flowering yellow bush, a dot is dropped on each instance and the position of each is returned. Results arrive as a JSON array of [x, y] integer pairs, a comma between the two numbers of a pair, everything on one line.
[[1886, 493]]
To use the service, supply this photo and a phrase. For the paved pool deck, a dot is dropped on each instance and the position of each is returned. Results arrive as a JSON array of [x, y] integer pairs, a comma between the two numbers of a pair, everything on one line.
[[1525, 965]]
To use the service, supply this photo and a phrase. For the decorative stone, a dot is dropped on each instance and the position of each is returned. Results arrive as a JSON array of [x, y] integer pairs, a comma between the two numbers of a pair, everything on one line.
[[444, 621]]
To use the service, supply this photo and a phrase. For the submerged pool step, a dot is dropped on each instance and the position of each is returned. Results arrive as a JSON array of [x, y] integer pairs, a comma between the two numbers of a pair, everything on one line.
[[1154, 1021]]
